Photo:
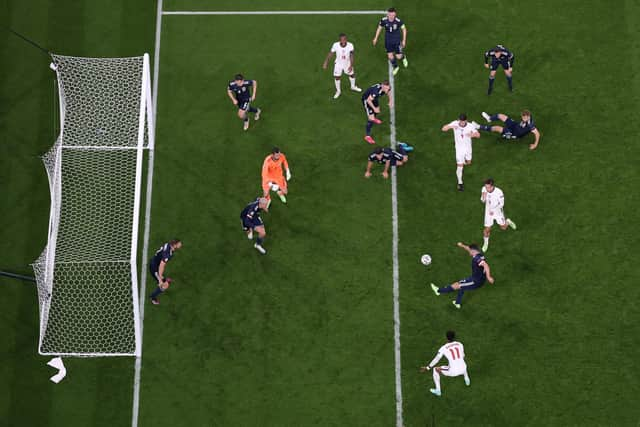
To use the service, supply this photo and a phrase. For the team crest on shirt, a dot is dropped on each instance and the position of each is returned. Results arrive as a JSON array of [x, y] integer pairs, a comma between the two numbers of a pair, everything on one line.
[[244, 89], [395, 26]]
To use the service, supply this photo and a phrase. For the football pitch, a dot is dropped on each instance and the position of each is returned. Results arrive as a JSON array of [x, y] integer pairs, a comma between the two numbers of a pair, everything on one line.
[[305, 336]]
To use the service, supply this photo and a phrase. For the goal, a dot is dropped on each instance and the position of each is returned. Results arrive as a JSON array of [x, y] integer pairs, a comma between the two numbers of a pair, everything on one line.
[[87, 275]]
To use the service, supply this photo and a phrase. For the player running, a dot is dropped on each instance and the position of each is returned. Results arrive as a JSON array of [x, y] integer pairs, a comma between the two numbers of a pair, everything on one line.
[[371, 104], [454, 352], [157, 265], [394, 42], [386, 157], [500, 56], [272, 179], [480, 272], [242, 93], [463, 131], [343, 50], [493, 199], [251, 221], [513, 129]]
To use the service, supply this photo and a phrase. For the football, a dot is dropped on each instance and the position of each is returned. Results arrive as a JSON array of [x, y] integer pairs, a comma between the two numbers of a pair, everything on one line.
[[426, 259], [274, 186]]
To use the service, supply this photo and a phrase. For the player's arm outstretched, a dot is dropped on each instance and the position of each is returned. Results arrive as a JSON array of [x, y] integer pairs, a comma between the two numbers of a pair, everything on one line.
[[433, 362], [254, 90], [487, 271], [385, 172], [536, 134], [404, 36], [447, 127], [465, 247], [326, 60], [375, 38], [232, 97]]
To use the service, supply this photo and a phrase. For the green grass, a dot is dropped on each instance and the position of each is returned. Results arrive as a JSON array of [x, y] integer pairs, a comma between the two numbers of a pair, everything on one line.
[[304, 336]]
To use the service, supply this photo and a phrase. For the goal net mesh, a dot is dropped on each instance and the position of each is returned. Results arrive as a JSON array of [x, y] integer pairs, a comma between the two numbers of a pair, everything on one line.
[[87, 273]]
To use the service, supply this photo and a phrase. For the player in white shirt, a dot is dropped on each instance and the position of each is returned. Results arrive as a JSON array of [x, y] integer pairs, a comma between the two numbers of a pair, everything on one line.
[[463, 131], [343, 50], [493, 199], [454, 352]]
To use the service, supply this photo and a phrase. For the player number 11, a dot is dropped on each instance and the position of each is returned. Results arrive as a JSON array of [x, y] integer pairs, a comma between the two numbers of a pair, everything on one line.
[[455, 353]]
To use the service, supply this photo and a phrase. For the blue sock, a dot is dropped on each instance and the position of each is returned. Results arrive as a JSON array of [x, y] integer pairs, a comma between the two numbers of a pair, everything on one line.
[[253, 110], [445, 290], [510, 82], [459, 297], [394, 62], [157, 292], [494, 117], [246, 119], [259, 241], [369, 126], [491, 80], [485, 127]]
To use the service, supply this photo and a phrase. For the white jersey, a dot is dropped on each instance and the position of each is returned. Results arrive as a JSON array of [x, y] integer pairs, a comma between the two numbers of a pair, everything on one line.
[[461, 134], [493, 201], [454, 352], [343, 53]]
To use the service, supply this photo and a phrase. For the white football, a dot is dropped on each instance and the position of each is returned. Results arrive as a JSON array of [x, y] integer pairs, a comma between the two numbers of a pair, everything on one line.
[[274, 186], [426, 259]]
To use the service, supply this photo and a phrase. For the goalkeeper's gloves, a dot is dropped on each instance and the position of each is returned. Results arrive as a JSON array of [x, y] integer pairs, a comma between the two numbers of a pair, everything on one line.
[[288, 175]]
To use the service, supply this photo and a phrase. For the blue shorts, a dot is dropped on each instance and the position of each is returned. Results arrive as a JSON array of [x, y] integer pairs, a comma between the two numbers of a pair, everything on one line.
[[251, 223], [395, 160], [154, 269], [469, 283], [244, 105], [510, 129], [393, 46], [496, 63], [367, 108]]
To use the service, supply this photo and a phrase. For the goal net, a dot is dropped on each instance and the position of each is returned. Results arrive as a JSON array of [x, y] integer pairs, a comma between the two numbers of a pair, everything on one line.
[[87, 275]]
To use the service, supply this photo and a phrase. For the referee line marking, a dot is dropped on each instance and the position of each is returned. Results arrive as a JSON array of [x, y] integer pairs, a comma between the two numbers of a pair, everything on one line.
[[274, 12], [396, 266], [147, 224]]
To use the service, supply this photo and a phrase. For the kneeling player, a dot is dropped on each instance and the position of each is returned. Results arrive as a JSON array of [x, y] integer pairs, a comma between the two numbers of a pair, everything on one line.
[[242, 93], [272, 168], [454, 352], [251, 221], [371, 103], [513, 129], [386, 157]]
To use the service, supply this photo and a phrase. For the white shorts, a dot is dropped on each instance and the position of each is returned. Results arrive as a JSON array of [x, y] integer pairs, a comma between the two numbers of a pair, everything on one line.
[[498, 216], [341, 67], [463, 153], [453, 371]]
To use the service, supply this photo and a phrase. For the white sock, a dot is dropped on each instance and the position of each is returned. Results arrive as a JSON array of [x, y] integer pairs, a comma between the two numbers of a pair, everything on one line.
[[337, 82], [459, 173], [436, 378], [486, 241], [466, 376], [353, 81]]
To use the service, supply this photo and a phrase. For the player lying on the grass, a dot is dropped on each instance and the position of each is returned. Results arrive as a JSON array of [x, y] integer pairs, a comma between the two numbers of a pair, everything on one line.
[[371, 104], [386, 157], [251, 221], [344, 52], [242, 93], [273, 167], [480, 272], [395, 39], [157, 265], [500, 56], [493, 199], [513, 129], [463, 131], [454, 352]]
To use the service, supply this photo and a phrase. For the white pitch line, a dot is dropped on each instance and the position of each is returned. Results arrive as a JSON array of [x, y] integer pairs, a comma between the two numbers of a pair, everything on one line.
[[274, 12], [396, 267], [147, 223]]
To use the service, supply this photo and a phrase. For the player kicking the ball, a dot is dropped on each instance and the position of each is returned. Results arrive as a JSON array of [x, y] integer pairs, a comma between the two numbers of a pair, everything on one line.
[[463, 131], [343, 50], [371, 104], [513, 129], [242, 93], [493, 199], [251, 221], [480, 272], [272, 179], [454, 352]]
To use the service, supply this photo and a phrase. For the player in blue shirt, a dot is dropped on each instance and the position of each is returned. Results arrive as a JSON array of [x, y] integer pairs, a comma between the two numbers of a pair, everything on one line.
[[242, 93], [371, 104], [157, 265], [386, 157], [513, 129], [251, 221], [499, 56], [395, 39], [480, 272]]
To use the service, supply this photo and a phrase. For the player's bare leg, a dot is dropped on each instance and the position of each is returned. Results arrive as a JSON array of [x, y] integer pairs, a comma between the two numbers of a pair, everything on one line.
[[337, 83], [436, 381], [352, 81], [245, 119], [261, 235]]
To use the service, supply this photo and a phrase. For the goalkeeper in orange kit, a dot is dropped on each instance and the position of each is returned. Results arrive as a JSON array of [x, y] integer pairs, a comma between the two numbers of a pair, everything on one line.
[[272, 174]]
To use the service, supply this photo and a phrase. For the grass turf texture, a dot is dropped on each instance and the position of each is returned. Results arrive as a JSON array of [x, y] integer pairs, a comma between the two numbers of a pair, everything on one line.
[[304, 335]]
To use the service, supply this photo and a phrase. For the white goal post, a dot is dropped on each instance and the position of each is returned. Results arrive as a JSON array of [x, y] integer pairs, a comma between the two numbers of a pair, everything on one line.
[[87, 275]]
